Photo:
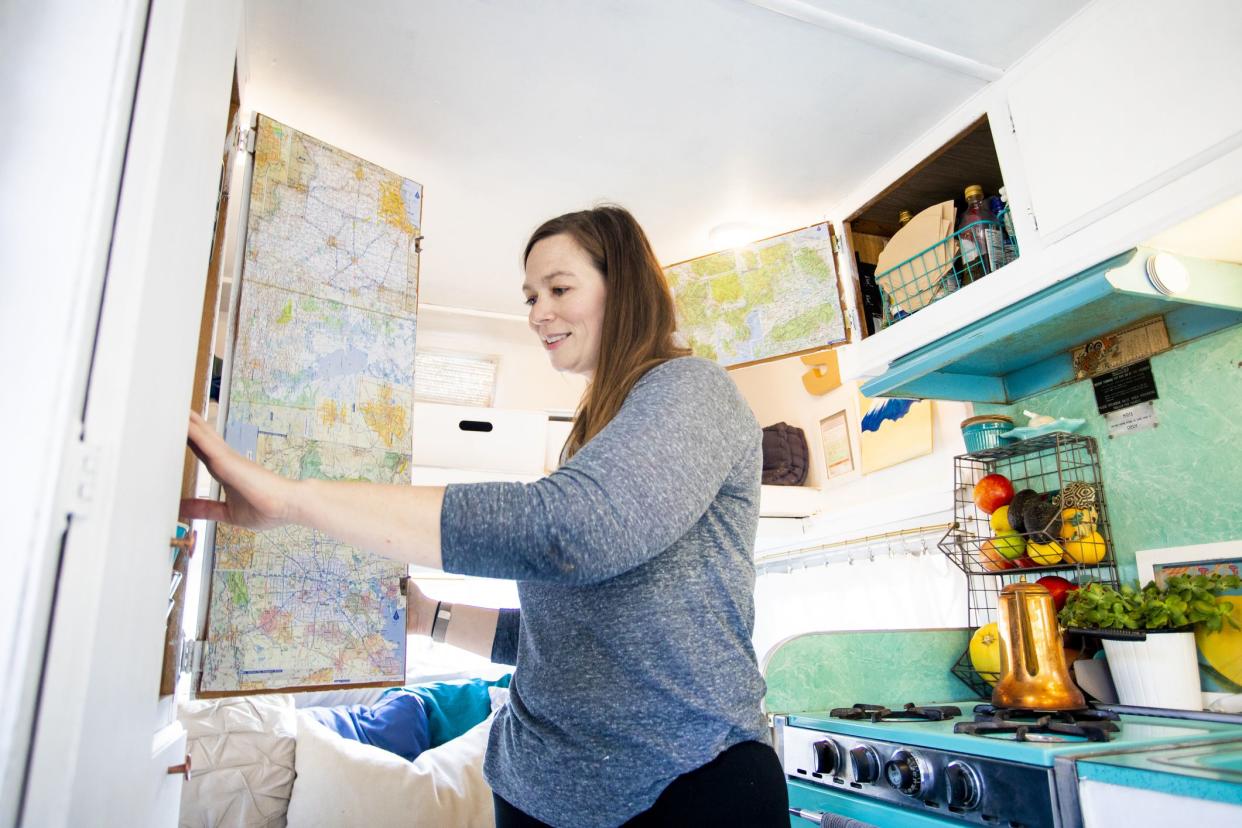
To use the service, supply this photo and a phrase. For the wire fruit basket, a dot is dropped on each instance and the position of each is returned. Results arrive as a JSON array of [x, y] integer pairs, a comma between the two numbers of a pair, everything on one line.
[[939, 270], [1055, 524], [980, 683]]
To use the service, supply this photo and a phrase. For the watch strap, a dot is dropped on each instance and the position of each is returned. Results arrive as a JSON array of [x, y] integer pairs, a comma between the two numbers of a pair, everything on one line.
[[439, 624]]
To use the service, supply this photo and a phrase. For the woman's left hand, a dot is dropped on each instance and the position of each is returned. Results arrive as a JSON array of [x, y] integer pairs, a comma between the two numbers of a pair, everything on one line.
[[255, 498]]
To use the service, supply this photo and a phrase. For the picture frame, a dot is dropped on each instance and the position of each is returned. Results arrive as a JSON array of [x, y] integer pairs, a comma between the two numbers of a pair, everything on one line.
[[1220, 680], [834, 432]]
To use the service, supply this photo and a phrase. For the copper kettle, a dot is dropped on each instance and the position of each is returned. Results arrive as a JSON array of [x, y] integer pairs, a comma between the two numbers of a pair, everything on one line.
[[1032, 662]]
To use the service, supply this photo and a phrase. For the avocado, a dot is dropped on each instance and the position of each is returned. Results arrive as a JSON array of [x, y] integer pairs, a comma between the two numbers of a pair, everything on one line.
[[1016, 506], [1039, 514]]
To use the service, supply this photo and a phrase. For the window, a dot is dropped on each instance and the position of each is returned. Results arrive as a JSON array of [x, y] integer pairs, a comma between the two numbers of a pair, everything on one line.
[[454, 377]]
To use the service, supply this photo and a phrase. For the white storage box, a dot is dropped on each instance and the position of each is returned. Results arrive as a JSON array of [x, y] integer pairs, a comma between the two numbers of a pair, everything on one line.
[[487, 439]]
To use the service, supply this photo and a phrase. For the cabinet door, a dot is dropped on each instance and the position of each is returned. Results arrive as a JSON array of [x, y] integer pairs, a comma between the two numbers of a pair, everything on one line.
[[1128, 97]]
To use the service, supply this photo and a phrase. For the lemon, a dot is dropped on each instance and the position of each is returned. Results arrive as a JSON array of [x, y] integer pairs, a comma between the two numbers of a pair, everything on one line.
[[1223, 650], [1089, 550], [985, 654], [1000, 520], [1044, 554]]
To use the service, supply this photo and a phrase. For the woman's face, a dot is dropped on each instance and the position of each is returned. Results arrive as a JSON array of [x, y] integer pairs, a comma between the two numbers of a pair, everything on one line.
[[565, 294]]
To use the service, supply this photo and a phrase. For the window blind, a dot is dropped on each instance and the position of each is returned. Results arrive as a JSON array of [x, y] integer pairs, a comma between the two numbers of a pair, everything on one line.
[[454, 377]]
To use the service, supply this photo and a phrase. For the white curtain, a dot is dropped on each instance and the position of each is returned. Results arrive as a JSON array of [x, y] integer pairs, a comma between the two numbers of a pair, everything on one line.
[[901, 592]]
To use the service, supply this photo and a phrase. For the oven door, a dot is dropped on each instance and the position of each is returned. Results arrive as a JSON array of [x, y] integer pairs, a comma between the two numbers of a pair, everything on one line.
[[827, 804]]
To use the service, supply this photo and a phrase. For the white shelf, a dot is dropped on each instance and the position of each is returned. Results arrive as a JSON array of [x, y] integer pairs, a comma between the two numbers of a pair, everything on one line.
[[789, 501]]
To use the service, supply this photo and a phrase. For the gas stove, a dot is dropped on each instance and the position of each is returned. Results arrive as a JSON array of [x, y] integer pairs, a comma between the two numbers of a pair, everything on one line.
[[961, 762]]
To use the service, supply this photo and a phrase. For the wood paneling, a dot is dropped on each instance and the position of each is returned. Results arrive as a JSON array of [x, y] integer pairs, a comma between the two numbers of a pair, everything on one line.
[[970, 158]]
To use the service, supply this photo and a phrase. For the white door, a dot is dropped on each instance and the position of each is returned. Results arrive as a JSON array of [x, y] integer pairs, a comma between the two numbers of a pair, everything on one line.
[[1133, 95], [99, 753]]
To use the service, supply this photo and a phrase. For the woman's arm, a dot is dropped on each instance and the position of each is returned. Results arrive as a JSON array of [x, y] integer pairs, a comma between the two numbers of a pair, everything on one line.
[[471, 628], [398, 522]]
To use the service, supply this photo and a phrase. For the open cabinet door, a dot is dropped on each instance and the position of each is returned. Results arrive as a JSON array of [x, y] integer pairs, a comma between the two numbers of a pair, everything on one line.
[[101, 746]]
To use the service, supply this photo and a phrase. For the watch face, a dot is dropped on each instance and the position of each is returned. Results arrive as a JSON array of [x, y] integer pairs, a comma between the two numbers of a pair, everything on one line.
[[439, 626]]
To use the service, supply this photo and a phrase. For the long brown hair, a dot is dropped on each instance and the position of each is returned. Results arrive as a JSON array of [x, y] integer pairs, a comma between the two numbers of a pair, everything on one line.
[[639, 316]]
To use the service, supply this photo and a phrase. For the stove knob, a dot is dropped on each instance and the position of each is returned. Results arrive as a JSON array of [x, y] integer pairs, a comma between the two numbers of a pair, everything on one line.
[[864, 763], [827, 757], [965, 787], [903, 772]]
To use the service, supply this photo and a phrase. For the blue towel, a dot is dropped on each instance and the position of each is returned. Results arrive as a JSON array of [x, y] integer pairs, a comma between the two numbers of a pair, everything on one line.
[[396, 723]]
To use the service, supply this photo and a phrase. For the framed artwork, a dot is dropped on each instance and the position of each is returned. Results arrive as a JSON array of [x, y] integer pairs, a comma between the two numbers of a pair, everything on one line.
[[838, 456], [892, 431], [1220, 654], [767, 300]]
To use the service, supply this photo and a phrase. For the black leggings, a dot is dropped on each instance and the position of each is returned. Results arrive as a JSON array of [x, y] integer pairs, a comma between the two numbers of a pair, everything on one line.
[[744, 786]]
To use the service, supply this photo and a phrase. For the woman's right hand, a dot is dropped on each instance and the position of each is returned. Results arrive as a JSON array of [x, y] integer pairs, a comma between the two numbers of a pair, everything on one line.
[[255, 498]]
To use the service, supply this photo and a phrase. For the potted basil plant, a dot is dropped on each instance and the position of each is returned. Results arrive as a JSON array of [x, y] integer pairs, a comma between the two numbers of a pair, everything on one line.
[[1158, 668]]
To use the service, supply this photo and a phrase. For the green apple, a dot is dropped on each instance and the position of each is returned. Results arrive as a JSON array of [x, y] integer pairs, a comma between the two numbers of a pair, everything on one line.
[[1010, 545]]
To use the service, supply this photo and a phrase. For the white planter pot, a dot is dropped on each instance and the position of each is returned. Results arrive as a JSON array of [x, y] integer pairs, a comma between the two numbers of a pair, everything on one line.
[[1162, 671]]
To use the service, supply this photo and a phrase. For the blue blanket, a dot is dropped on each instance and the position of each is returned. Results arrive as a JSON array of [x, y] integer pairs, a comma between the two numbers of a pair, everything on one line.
[[408, 720]]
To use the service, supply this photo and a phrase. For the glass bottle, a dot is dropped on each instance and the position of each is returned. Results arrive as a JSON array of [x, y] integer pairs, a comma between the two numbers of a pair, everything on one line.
[[979, 239], [1008, 239]]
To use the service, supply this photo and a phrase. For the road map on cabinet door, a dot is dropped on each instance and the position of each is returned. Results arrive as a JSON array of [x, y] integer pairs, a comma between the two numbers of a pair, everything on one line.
[[321, 386]]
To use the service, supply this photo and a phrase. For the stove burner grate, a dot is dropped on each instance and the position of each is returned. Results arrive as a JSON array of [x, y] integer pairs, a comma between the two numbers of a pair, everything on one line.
[[1029, 725], [988, 712], [909, 712]]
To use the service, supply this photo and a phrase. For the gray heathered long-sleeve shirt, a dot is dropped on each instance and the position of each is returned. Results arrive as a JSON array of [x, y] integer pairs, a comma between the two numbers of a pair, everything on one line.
[[636, 579]]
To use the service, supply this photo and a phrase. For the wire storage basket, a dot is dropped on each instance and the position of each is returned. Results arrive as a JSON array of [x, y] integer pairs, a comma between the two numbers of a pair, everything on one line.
[[1055, 524], [942, 268], [980, 683]]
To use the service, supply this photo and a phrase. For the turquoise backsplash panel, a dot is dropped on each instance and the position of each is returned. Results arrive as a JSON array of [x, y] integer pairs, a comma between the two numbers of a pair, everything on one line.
[[1180, 483], [820, 670]]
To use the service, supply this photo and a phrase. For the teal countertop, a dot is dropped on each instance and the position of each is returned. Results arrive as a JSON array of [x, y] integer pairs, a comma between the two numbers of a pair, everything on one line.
[[1211, 770]]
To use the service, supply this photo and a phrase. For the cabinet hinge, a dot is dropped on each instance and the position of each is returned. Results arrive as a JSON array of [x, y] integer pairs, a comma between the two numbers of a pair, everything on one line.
[[245, 140], [1030, 211], [193, 654], [79, 482], [418, 244], [836, 244]]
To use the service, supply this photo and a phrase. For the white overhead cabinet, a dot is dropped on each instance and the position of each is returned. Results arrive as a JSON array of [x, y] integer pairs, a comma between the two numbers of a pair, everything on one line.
[[1123, 102], [1109, 132]]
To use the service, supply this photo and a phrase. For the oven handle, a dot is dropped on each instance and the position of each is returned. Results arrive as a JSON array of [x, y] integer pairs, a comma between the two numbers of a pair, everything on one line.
[[827, 820]]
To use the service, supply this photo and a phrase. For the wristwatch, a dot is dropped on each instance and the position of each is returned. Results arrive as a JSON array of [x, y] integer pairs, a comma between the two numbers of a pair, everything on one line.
[[439, 624]]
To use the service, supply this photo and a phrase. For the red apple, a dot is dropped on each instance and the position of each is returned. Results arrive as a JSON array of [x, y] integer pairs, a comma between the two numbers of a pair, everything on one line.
[[993, 492], [1059, 587]]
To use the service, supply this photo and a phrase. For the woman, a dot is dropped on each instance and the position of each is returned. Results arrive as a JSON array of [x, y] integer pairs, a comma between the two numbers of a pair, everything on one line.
[[636, 695]]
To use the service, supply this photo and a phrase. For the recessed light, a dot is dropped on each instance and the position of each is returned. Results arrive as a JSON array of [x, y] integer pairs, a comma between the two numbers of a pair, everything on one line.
[[733, 234]]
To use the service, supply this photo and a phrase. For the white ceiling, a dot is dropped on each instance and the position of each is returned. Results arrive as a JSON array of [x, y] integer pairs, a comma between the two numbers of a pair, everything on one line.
[[691, 113]]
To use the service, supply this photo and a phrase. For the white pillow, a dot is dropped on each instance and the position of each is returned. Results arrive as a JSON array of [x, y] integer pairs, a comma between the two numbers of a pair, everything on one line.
[[343, 782], [241, 750]]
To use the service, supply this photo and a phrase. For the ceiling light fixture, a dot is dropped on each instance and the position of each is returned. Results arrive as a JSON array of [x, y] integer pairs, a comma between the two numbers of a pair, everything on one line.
[[1167, 274], [733, 234]]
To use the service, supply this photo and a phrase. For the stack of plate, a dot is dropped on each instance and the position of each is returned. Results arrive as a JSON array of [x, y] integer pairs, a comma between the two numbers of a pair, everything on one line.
[[912, 285]]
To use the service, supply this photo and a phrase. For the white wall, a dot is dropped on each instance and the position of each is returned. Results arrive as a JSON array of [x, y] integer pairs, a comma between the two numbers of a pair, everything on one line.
[[908, 494], [525, 378], [916, 588]]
